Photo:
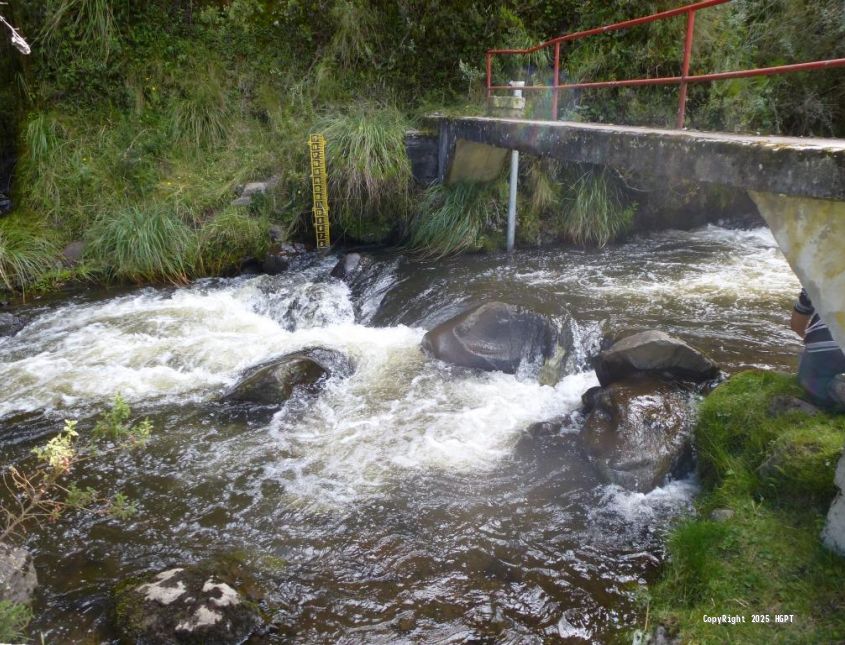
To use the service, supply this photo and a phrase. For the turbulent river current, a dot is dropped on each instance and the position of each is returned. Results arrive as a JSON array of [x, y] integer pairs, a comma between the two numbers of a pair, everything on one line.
[[394, 506]]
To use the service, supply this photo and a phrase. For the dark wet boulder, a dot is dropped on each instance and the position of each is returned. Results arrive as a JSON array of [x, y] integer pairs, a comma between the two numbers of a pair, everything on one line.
[[17, 575], [653, 352], [190, 604], [346, 266], [497, 336], [639, 432], [275, 381], [281, 256], [10, 324]]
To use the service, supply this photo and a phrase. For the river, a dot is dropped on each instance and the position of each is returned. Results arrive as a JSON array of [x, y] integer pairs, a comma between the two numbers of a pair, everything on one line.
[[394, 506]]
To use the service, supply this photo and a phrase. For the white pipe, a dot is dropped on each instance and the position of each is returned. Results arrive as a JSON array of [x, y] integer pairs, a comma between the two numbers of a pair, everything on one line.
[[513, 180], [512, 200]]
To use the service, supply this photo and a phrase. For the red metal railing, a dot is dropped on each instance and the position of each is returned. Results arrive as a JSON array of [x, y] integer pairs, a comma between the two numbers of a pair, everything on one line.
[[682, 81]]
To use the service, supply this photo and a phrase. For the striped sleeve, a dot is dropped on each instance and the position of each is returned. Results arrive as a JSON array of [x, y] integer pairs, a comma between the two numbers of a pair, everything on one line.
[[803, 305]]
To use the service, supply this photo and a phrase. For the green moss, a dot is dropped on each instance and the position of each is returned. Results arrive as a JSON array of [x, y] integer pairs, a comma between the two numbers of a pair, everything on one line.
[[775, 471]]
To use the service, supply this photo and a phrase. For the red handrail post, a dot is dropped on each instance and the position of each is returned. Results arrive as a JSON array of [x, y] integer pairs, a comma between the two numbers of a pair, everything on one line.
[[489, 74], [682, 97], [556, 82]]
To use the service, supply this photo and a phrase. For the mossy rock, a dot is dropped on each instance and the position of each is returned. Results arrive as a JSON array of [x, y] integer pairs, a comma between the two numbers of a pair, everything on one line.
[[800, 466]]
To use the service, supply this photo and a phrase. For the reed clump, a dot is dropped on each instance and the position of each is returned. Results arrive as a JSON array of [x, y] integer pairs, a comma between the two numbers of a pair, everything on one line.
[[142, 245], [369, 170]]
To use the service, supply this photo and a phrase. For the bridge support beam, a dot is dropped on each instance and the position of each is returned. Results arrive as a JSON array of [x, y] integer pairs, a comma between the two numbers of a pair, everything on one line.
[[811, 234]]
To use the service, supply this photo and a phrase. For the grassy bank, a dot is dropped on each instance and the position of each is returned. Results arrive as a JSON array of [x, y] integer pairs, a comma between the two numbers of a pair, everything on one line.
[[774, 471], [160, 110]]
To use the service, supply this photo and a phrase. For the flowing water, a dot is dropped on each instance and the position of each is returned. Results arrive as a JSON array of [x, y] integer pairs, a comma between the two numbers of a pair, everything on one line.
[[394, 506]]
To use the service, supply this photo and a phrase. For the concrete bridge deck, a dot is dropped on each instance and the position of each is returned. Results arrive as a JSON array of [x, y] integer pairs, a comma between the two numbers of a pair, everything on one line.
[[800, 167], [798, 184]]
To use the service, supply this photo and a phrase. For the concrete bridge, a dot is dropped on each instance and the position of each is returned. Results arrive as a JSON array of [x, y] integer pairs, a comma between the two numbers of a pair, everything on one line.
[[798, 184]]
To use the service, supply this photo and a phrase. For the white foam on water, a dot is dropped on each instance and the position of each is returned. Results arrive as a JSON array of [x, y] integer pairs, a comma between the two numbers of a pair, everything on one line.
[[157, 344], [670, 499], [403, 412]]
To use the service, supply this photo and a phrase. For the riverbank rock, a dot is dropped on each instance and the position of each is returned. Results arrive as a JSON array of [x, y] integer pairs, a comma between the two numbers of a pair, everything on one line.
[[276, 380], [833, 534], [184, 605], [72, 253], [10, 324], [247, 192], [496, 337], [638, 432], [18, 580], [653, 352]]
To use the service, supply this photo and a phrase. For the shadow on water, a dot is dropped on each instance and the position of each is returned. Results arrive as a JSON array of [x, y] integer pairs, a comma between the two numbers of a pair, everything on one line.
[[399, 504]]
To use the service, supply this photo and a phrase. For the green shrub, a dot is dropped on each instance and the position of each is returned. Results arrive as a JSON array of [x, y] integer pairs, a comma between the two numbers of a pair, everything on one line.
[[594, 213], [142, 245], [230, 237], [26, 253], [368, 167]]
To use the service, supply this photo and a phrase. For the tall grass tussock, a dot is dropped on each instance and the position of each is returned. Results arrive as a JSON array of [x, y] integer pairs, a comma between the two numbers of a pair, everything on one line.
[[451, 219], [142, 245], [26, 253], [369, 170], [595, 212], [228, 238]]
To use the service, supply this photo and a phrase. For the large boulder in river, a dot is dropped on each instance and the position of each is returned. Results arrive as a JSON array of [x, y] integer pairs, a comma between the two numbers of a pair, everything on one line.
[[184, 605], [654, 352], [496, 336], [17, 575], [638, 432], [276, 380]]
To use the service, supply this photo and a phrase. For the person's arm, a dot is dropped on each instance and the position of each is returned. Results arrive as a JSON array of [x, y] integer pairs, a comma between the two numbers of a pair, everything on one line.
[[798, 323], [801, 314]]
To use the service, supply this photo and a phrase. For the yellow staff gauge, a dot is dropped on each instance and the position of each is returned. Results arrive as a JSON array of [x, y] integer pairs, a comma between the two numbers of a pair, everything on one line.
[[320, 189]]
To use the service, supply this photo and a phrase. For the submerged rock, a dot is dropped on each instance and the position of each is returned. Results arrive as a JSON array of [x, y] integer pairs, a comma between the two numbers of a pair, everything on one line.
[[654, 352], [18, 580], [346, 266], [639, 432], [10, 324], [497, 336], [184, 605], [280, 256], [275, 381]]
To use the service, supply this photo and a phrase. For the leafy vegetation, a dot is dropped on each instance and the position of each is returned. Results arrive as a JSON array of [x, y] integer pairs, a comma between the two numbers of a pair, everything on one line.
[[43, 490], [775, 472], [14, 617], [127, 111]]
